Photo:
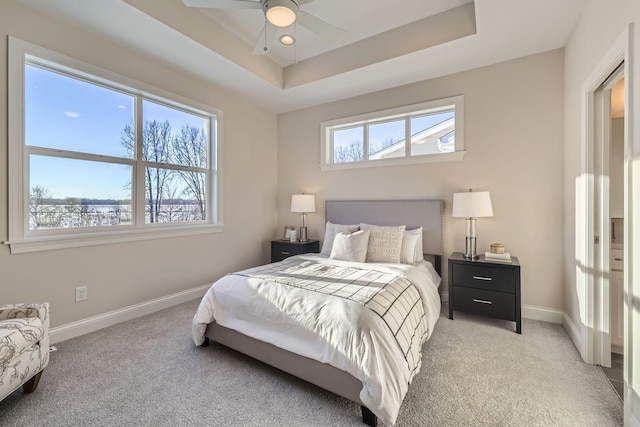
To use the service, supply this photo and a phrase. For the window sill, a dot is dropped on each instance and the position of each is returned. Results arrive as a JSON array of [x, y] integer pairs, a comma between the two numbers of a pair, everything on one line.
[[48, 243], [401, 161]]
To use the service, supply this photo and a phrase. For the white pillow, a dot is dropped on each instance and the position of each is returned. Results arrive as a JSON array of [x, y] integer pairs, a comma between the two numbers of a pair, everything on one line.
[[385, 242], [350, 246], [330, 233], [411, 252]]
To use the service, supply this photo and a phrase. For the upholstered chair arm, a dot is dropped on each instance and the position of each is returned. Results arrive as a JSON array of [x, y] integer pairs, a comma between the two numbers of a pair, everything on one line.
[[37, 309], [15, 311]]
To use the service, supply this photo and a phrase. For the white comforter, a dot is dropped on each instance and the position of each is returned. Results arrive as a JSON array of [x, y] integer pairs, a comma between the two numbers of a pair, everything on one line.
[[337, 331]]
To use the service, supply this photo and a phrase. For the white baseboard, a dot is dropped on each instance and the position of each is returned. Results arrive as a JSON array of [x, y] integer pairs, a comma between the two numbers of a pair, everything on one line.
[[541, 313], [95, 323], [616, 348], [573, 331]]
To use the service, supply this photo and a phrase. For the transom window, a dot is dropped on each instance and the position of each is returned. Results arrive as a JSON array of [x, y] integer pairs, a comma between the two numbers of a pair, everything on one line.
[[103, 158], [430, 131]]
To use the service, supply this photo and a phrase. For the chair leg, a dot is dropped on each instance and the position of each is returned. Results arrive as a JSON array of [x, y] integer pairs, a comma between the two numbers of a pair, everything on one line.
[[31, 385]]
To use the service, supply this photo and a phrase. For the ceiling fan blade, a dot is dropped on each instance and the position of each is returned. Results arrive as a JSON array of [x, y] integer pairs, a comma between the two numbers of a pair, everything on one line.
[[301, 2], [258, 49], [320, 27], [223, 4]]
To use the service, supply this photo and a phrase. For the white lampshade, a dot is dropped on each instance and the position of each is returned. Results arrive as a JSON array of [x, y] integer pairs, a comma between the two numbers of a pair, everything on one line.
[[303, 203], [280, 13], [472, 204]]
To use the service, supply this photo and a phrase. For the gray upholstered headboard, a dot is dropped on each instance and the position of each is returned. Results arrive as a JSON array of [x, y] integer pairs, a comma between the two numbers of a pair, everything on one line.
[[412, 213]]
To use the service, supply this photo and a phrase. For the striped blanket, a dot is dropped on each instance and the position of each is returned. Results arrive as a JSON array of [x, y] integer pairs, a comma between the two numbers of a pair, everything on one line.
[[394, 298]]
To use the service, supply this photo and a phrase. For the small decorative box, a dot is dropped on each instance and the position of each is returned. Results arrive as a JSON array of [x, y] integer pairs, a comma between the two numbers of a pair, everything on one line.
[[497, 248]]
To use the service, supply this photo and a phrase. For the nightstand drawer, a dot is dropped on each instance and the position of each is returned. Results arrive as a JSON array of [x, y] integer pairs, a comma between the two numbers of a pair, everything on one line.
[[281, 249], [499, 305], [484, 277]]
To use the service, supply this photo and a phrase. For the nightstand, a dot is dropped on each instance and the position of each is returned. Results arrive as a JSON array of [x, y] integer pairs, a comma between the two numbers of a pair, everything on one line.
[[487, 288], [281, 249]]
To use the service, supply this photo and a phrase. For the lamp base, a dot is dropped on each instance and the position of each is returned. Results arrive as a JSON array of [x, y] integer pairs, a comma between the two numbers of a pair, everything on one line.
[[470, 249], [303, 235]]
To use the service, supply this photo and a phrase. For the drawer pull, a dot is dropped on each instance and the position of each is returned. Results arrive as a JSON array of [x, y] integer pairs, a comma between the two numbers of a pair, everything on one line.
[[488, 279], [285, 253], [481, 301], [617, 259]]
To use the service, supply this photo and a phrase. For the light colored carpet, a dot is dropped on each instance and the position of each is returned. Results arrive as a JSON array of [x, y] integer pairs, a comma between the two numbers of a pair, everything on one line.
[[476, 371]]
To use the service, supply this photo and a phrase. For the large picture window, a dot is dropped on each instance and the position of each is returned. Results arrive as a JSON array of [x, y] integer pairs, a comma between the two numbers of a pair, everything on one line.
[[100, 157], [426, 132]]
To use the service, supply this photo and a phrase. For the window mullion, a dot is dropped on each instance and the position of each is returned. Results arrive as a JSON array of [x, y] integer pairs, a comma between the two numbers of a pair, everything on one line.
[[65, 154], [407, 136], [138, 194], [212, 168], [365, 142], [330, 159]]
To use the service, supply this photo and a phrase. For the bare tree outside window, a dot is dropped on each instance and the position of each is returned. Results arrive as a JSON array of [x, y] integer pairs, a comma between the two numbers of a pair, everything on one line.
[[155, 148], [172, 195], [349, 153], [190, 148], [41, 213]]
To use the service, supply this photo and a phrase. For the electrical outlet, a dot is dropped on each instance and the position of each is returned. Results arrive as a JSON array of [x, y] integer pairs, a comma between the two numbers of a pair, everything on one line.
[[81, 293]]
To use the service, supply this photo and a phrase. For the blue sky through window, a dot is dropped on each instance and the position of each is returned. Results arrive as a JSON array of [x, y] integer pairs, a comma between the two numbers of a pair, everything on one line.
[[70, 114], [418, 124], [78, 178], [176, 118], [63, 112], [345, 137]]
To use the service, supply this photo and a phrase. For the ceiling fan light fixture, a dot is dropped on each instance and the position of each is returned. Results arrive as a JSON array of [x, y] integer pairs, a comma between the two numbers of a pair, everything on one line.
[[287, 39], [280, 13]]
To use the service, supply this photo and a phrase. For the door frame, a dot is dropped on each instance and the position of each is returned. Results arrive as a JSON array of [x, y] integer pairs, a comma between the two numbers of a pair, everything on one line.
[[591, 278], [602, 216]]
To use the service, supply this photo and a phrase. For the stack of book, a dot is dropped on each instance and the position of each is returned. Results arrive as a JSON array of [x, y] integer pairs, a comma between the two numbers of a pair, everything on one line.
[[493, 257]]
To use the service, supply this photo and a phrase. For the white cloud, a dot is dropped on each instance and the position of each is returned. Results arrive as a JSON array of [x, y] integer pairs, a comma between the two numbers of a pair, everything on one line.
[[72, 114]]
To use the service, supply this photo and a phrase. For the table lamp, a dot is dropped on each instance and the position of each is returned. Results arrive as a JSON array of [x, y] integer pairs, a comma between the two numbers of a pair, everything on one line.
[[303, 203], [471, 205]]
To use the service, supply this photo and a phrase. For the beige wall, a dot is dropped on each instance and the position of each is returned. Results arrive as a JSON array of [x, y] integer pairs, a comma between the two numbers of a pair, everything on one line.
[[120, 275], [513, 138]]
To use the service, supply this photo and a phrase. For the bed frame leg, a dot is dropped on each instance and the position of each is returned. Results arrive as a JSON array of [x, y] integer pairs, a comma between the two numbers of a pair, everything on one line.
[[368, 417], [205, 343]]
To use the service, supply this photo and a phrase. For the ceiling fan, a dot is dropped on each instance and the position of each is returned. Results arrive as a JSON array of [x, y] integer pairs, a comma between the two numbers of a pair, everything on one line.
[[278, 13]]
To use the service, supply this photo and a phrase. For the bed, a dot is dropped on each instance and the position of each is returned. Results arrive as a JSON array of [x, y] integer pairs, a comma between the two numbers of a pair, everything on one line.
[[249, 305]]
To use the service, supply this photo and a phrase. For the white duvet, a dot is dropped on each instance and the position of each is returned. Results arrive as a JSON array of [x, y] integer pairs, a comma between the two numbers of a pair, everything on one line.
[[337, 331]]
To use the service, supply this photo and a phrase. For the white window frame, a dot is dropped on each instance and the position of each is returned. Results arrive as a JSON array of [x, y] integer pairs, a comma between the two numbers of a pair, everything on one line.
[[21, 239], [406, 112]]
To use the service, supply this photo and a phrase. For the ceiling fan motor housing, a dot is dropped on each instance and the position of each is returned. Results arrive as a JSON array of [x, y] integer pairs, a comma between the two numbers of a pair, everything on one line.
[[274, 5]]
